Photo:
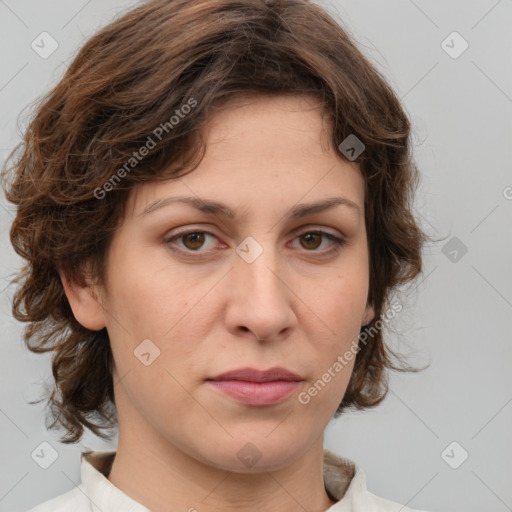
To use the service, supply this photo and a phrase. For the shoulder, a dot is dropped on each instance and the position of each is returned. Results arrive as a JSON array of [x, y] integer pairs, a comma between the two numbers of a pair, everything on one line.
[[383, 505], [74, 500], [345, 481]]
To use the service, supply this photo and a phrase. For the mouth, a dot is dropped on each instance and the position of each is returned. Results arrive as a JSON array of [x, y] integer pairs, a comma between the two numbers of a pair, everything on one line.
[[257, 387]]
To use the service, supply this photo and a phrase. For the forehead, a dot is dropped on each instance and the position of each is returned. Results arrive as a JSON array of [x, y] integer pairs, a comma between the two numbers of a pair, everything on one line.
[[271, 114], [260, 150]]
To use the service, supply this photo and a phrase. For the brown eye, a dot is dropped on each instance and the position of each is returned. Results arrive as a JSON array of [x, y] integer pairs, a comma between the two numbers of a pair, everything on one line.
[[195, 243], [190, 241], [193, 240], [312, 240]]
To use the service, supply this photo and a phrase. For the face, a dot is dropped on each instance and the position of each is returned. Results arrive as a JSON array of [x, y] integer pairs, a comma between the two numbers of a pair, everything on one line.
[[193, 294]]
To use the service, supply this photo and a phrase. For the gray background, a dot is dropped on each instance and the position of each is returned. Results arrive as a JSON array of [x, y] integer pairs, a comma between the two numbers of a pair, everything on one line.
[[457, 316]]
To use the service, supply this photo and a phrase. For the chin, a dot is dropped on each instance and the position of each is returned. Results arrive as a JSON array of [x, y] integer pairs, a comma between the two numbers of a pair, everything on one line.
[[256, 454]]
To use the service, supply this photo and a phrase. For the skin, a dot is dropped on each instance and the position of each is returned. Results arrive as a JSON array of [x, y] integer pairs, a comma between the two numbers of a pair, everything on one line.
[[178, 436]]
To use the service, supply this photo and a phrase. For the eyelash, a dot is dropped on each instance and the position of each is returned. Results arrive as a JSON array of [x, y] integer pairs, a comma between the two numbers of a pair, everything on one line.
[[338, 243]]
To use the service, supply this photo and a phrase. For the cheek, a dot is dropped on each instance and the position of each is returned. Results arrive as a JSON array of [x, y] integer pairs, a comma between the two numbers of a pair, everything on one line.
[[150, 300], [341, 302], [339, 308], [146, 297], [324, 394], [156, 394]]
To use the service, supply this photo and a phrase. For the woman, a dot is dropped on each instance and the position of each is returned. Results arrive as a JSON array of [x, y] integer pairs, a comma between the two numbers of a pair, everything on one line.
[[214, 205]]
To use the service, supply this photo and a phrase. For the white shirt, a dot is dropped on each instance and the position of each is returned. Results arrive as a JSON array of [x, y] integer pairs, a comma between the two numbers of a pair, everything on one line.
[[344, 481]]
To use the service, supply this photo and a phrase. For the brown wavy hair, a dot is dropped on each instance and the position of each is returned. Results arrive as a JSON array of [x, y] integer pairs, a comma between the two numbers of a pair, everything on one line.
[[130, 78]]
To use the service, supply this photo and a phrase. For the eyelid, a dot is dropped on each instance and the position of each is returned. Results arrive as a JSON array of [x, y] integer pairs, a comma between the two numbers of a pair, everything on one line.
[[179, 234], [318, 227], [338, 240], [295, 232]]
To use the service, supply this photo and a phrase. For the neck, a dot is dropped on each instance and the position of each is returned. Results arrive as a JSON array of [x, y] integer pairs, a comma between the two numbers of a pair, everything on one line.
[[161, 477]]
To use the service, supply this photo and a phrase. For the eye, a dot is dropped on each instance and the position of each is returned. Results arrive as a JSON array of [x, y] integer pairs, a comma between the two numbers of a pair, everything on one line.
[[192, 241], [311, 240]]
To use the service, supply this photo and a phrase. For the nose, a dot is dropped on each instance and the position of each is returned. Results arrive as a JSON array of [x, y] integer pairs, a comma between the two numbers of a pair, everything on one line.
[[260, 302]]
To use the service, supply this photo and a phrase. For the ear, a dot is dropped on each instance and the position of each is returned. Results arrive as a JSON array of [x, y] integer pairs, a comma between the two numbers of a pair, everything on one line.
[[368, 316], [85, 303]]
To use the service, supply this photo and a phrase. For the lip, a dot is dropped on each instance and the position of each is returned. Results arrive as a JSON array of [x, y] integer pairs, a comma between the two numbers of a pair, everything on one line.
[[257, 387], [254, 375]]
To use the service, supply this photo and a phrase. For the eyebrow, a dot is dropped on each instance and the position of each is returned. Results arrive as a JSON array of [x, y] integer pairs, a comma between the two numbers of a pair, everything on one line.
[[212, 207]]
